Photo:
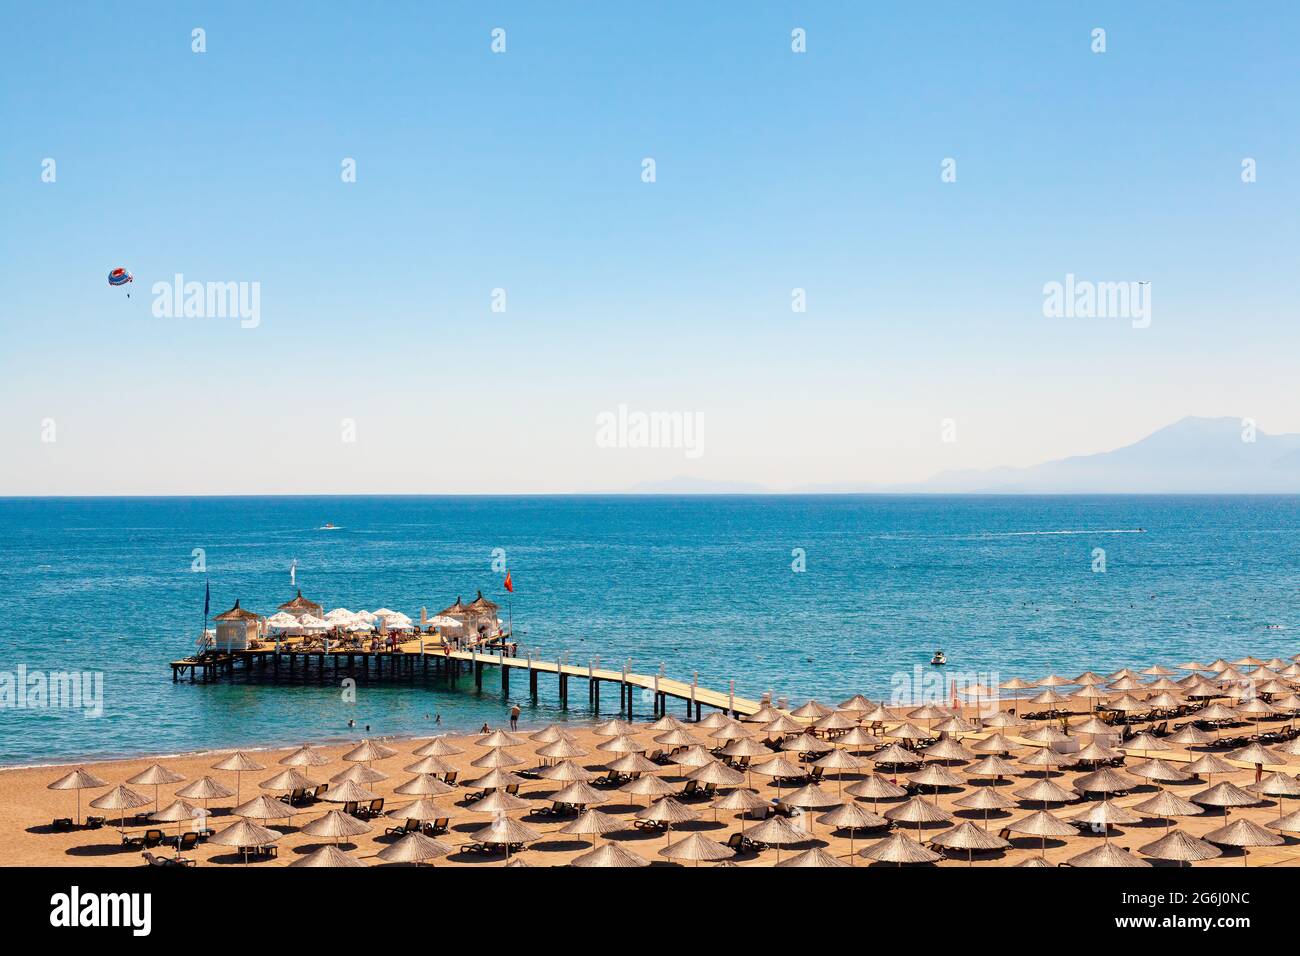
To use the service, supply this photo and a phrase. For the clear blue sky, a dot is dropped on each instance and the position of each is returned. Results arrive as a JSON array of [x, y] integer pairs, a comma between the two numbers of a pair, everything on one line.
[[522, 171]]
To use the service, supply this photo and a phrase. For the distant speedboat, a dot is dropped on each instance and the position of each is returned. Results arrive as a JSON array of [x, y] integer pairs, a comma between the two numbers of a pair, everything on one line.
[[328, 526], [939, 659]]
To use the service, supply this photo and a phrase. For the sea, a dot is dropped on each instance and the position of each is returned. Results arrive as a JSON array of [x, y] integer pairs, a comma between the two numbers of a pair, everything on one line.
[[797, 596]]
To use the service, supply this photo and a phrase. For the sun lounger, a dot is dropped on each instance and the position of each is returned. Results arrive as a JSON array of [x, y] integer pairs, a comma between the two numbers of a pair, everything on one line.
[[410, 826], [94, 823], [150, 838], [297, 796], [319, 792], [186, 841], [450, 778], [350, 808], [740, 843], [375, 808], [164, 861], [62, 823], [649, 825], [691, 789], [437, 826]]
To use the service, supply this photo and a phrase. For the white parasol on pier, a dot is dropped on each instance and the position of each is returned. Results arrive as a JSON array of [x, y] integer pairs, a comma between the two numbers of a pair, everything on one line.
[[309, 622], [282, 621]]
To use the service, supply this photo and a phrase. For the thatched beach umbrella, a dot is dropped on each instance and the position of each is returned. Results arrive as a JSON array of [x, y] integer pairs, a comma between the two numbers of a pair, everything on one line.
[[592, 823], [244, 836], [120, 798], [835, 721], [777, 831], [609, 855], [568, 771], [997, 743], [967, 836], [501, 738], [991, 766], [695, 848], [857, 704], [1107, 855], [359, 773], [667, 811], [304, 756], [779, 769], [741, 801], [177, 812], [1277, 785], [1042, 825], [918, 811], [1045, 792], [895, 755], [423, 785], [496, 759], [812, 710], [613, 728], [875, 789], [336, 825], [667, 722], [986, 799], [947, 749], [648, 786], [561, 749], [782, 724], [1160, 771], [621, 744], [430, 765], [155, 776], [692, 757], [1189, 735], [504, 831], [579, 794], [1048, 759], [78, 780], [677, 738], [1226, 795], [1166, 806], [349, 792], [1207, 765], [1245, 834], [718, 774], [438, 747], [858, 737], [205, 789], [369, 750], [498, 779], [1004, 720], [1288, 824], [1105, 780], [816, 857], [898, 848], [240, 763], [498, 801], [1095, 753], [550, 734], [1181, 847], [1256, 753], [414, 848], [327, 856], [1106, 815], [636, 763], [936, 776], [263, 807], [851, 817], [422, 810], [291, 779]]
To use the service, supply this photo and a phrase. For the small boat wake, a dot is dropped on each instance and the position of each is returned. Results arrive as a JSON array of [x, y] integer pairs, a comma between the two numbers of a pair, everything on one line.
[[1032, 534]]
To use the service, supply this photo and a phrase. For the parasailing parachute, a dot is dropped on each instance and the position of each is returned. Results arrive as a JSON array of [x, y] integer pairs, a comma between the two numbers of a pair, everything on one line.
[[120, 277]]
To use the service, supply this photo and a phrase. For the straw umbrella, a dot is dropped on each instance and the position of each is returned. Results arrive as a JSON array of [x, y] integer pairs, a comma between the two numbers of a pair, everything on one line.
[[244, 835], [1048, 760], [967, 836], [1277, 785], [935, 775], [501, 738], [741, 801], [917, 811], [1226, 795], [496, 759], [1245, 834], [858, 737], [986, 799], [1189, 735], [239, 762], [947, 749], [875, 788], [1033, 861], [177, 812], [1106, 781], [1181, 847], [667, 811], [1288, 824], [440, 747], [1107, 855], [205, 789], [155, 776], [504, 831], [336, 825], [991, 766], [609, 855], [422, 810], [414, 848], [1160, 771], [695, 848], [592, 823], [1208, 765], [263, 807], [779, 769], [1106, 815], [291, 779], [648, 786], [810, 797], [816, 857], [718, 774], [812, 710], [1042, 825], [360, 773], [777, 831], [857, 704], [121, 798], [304, 756], [579, 794], [498, 801], [78, 780], [567, 771], [1004, 720], [349, 792], [839, 761], [898, 848], [621, 744], [561, 749], [996, 743], [669, 722], [430, 765], [327, 856], [1166, 806], [369, 750], [896, 755], [851, 817], [613, 728]]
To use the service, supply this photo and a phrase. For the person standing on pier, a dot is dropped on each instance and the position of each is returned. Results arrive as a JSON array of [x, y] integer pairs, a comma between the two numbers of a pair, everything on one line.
[[514, 717]]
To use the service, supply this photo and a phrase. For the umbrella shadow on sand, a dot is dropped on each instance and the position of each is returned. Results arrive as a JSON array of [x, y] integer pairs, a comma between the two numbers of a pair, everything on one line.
[[98, 849], [560, 846]]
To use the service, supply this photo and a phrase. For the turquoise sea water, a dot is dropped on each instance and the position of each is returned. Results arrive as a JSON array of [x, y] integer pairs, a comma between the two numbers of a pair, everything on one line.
[[1005, 584]]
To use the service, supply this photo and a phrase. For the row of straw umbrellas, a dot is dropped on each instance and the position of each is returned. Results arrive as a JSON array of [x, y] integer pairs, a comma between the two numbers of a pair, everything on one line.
[[719, 754]]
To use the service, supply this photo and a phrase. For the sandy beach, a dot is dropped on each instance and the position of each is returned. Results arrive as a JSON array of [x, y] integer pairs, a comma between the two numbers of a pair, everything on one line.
[[954, 792]]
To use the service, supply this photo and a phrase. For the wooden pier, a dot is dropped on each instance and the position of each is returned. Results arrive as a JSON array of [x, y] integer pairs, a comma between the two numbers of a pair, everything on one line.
[[288, 664]]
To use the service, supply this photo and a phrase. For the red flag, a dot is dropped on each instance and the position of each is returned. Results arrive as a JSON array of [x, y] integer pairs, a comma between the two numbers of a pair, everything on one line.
[[509, 584]]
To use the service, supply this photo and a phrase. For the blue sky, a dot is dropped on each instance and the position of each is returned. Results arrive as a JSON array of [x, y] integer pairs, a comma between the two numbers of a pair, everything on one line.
[[522, 171]]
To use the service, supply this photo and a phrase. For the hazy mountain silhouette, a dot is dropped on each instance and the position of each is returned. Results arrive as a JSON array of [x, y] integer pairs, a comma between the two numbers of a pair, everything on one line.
[[1191, 456]]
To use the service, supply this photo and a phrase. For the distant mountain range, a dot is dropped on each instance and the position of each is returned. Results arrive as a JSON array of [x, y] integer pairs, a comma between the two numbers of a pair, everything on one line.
[[1191, 456]]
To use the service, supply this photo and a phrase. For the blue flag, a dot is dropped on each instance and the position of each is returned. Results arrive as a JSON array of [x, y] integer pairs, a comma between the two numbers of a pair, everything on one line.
[[207, 597]]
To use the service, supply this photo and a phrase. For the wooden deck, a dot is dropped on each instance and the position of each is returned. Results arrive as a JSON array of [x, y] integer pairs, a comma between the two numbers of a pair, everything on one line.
[[292, 664]]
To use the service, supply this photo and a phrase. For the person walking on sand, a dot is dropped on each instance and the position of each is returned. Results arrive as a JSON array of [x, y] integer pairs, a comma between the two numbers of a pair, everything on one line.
[[514, 717]]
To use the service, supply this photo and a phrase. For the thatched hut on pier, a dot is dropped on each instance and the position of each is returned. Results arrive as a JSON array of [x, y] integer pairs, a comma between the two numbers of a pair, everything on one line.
[[237, 629]]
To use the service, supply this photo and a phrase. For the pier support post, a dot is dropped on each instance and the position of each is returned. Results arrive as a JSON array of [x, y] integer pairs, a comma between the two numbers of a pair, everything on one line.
[[478, 676], [505, 677], [532, 683], [564, 691]]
